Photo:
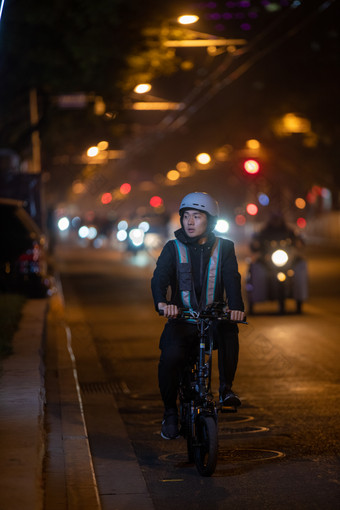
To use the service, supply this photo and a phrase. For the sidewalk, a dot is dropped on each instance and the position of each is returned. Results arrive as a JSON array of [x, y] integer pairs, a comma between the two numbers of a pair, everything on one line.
[[45, 459], [22, 396]]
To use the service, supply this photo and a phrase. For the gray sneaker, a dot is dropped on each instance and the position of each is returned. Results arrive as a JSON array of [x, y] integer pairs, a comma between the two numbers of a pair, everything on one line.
[[229, 399], [170, 424]]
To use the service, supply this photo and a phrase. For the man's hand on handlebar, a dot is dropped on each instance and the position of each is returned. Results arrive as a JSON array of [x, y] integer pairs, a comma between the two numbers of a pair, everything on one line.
[[237, 315], [172, 311], [168, 310]]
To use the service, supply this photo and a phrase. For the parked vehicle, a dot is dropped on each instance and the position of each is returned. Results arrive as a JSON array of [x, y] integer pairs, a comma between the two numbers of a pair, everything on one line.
[[23, 254]]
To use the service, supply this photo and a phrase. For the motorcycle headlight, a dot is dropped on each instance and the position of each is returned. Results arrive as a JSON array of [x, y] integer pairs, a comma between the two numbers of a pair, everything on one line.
[[280, 258]]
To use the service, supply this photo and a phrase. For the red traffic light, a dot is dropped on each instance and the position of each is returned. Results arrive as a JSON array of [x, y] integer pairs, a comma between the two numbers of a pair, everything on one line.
[[251, 166], [125, 188], [252, 209], [156, 201], [301, 222], [106, 198]]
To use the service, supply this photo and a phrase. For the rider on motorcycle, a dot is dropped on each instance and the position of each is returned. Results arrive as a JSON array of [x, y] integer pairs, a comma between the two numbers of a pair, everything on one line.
[[276, 229], [199, 269], [262, 279]]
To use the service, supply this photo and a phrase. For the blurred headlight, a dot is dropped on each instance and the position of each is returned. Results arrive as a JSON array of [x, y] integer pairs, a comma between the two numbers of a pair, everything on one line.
[[152, 240], [121, 235], [137, 236], [222, 226], [280, 258], [63, 223]]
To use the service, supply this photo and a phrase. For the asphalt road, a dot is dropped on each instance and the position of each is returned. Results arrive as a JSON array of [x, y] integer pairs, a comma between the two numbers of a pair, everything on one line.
[[281, 450]]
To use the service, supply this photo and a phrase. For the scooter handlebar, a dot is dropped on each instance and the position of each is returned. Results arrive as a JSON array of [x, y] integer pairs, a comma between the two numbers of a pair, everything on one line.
[[204, 314]]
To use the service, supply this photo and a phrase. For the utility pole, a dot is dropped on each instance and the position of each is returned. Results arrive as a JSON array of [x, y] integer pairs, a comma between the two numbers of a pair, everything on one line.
[[37, 199], [34, 117]]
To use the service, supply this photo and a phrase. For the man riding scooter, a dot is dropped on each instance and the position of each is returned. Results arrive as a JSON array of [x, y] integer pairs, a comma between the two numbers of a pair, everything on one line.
[[199, 269]]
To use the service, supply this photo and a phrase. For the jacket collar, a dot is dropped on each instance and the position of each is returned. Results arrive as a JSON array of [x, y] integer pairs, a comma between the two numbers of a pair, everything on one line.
[[193, 241]]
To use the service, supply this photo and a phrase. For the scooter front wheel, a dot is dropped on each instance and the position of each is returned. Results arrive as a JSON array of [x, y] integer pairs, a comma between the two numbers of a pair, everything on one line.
[[206, 445]]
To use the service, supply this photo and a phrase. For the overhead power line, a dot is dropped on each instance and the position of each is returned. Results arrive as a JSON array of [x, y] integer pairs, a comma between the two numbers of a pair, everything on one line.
[[216, 82], [1, 7]]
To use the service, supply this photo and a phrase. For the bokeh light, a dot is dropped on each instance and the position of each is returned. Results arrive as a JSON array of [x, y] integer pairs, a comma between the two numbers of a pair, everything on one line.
[[203, 158], [92, 152], [187, 19], [251, 166], [76, 221], [252, 209], [280, 258], [142, 88], [144, 225], [78, 187], [301, 222], [102, 146], [92, 233], [125, 188], [156, 201], [63, 223], [83, 232], [183, 167], [240, 220], [106, 198], [222, 226], [121, 235], [253, 144], [137, 236], [173, 175], [122, 225], [300, 203], [263, 199]]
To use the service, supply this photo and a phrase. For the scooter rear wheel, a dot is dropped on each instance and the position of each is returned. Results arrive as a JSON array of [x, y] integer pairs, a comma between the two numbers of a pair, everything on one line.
[[190, 448]]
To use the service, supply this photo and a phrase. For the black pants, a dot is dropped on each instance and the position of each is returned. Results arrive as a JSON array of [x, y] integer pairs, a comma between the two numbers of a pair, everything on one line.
[[178, 340]]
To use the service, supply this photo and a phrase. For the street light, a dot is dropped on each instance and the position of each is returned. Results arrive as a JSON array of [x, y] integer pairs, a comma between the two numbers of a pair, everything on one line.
[[204, 43], [253, 144], [251, 166], [187, 19], [142, 88], [157, 105], [103, 145], [92, 152], [173, 175], [194, 39], [203, 158]]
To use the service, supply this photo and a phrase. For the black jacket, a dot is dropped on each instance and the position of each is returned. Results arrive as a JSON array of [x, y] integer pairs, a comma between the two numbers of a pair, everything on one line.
[[165, 274]]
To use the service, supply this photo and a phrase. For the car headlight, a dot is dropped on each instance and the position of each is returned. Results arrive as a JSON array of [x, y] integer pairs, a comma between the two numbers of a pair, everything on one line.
[[137, 236], [280, 258]]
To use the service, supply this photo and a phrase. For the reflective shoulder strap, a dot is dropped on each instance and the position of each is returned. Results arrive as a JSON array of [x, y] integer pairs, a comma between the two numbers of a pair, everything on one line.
[[184, 273], [182, 252], [213, 272]]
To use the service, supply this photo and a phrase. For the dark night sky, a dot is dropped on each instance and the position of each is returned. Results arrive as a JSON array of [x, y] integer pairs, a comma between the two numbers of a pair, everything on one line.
[[291, 65]]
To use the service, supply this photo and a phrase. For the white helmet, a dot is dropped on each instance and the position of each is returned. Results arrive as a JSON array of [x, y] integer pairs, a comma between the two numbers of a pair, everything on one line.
[[200, 201]]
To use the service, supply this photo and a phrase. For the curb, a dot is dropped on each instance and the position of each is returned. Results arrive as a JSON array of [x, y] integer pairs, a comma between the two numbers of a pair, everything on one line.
[[45, 459], [78, 472], [24, 433]]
